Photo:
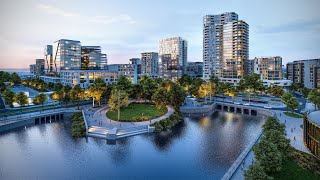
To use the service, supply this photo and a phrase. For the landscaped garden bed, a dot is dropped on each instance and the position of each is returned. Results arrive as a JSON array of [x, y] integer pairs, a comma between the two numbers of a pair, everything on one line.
[[292, 115], [136, 112]]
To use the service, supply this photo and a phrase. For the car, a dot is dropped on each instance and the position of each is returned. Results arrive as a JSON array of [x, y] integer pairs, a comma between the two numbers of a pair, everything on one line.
[[246, 104], [267, 107]]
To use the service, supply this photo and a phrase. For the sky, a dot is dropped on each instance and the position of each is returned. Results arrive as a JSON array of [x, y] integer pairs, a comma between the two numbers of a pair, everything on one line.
[[125, 28]]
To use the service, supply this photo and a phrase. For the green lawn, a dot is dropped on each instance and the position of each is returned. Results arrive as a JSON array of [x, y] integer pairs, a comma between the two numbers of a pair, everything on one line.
[[291, 170], [292, 115], [137, 112]]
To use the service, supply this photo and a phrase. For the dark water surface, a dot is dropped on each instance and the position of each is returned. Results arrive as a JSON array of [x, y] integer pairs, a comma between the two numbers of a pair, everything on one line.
[[198, 148]]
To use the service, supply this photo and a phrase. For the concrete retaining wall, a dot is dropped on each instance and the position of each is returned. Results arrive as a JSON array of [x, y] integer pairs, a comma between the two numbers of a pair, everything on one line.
[[197, 110], [17, 124]]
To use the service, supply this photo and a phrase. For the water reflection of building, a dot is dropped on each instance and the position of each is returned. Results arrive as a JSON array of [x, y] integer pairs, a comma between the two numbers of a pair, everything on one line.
[[311, 132]]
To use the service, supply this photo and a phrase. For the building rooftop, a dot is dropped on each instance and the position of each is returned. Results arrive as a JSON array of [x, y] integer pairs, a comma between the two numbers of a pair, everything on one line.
[[315, 117]]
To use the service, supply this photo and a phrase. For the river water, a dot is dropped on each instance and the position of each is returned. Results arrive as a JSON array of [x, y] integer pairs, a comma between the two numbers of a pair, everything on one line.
[[198, 148]]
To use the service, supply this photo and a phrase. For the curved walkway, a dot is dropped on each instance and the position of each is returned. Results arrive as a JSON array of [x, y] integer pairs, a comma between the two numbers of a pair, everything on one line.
[[98, 118]]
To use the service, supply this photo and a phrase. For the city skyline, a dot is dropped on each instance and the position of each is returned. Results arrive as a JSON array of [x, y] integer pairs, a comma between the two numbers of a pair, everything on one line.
[[124, 31]]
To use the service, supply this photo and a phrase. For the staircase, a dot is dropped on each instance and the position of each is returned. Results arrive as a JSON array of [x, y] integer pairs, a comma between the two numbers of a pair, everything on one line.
[[125, 132]]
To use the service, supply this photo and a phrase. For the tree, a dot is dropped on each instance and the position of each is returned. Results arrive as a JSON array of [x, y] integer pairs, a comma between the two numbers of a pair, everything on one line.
[[21, 98], [57, 95], [42, 86], [256, 172], [2, 86], [160, 97], [50, 85], [252, 82], [204, 90], [76, 94], [279, 139], [176, 95], [185, 81], [15, 78], [275, 90], [222, 88], [57, 87], [290, 101], [40, 99], [118, 99], [96, 90], [272, 123], [124, 84], [314, 97], [305, 91], [213, 79], [9, 96], [268, 155], [148, 87], [67, 89]]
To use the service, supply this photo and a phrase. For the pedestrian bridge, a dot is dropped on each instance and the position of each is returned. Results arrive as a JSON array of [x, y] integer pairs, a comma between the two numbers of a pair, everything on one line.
[[242, 109], [34, 119]]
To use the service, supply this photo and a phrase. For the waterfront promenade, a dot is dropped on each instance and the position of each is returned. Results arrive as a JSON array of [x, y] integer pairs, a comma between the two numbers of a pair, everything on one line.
[[294, 132]]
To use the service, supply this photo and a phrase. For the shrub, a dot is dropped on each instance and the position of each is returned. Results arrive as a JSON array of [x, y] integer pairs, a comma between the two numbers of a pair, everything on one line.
[[167, 123], [78, 128]]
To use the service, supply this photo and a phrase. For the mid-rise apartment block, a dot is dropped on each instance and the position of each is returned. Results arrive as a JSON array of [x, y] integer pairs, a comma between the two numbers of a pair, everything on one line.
[[225, 47], [172, 58], [195, 69], [136, 61], [304, 71], [149, 64], [110, 74], [269, 68]]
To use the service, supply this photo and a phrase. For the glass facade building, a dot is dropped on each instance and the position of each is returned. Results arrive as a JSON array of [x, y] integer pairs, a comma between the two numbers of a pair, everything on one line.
[[48, 59], [66, 55], [225, 46], [39, 69], [91, 58], [172, 58], [311, 132]]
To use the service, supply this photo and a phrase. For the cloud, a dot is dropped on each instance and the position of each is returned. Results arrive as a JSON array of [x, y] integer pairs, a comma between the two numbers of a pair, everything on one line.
[[53, 10], [95, 19], [112, 19], [294, 26]]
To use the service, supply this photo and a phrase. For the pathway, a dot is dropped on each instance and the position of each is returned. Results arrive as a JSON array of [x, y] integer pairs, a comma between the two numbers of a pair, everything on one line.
[[294, 131]]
